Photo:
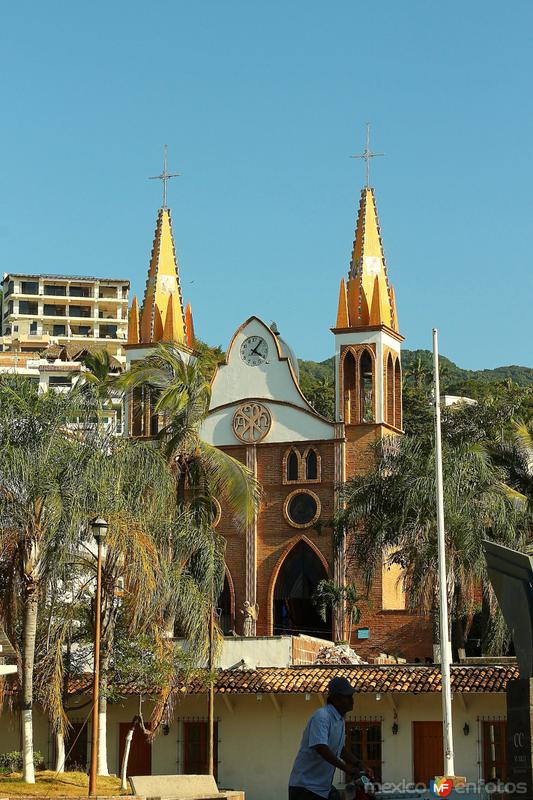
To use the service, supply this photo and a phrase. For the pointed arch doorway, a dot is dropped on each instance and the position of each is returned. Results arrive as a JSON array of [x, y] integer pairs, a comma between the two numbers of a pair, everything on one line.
[[297, 579]]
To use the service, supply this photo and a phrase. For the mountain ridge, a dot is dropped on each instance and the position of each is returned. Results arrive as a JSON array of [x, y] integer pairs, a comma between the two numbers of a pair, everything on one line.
[[452, 374]]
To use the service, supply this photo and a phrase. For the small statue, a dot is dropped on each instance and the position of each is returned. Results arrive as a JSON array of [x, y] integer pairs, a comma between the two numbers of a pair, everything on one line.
[[250, 613]]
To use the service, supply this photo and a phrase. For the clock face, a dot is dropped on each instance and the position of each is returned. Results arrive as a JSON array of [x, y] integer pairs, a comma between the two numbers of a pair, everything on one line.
[[254, 351]]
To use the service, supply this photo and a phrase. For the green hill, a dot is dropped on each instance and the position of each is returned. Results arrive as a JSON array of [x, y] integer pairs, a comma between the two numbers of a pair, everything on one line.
[[316, 378], [452, 374]]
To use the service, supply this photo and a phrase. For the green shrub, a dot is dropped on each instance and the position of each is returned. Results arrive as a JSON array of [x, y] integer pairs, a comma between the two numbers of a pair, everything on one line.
[[12, 762]]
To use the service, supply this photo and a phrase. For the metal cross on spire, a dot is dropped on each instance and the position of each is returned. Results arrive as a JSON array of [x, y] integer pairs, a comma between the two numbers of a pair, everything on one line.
[[367, 154], [165, 177]]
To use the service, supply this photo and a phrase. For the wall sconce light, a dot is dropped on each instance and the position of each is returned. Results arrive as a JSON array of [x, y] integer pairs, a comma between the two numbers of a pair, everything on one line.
[[395, 729], [259, 696], [307, 696], [466, 729], [166, 729], [378, 697]]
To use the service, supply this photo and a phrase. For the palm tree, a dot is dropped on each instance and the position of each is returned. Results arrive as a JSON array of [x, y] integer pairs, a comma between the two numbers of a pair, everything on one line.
[[98, 382], [514, 452], [130, 484], [337, 598], [180, 393], [41, 508], [391, 510]]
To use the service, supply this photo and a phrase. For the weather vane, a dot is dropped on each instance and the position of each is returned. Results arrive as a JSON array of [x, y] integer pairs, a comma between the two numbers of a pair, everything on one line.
[[165, 177], [367, 154]]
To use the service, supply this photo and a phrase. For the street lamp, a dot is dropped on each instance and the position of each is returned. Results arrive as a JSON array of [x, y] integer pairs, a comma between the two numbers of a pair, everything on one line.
[[99, 531]]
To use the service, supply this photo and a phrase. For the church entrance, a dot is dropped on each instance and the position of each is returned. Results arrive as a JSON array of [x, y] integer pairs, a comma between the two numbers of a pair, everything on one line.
[[297, 580]]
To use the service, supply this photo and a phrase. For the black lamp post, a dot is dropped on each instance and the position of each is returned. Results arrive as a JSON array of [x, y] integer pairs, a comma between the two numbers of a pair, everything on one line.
[[99, 531]]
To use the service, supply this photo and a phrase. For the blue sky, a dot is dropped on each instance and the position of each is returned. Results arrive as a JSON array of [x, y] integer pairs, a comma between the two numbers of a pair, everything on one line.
[[261, 105]]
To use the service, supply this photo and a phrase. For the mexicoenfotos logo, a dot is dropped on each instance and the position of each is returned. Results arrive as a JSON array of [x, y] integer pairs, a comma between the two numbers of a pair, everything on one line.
[[442, 787]]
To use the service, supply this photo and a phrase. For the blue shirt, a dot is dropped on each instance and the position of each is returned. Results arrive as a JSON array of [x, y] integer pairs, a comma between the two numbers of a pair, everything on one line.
[[310, 770]]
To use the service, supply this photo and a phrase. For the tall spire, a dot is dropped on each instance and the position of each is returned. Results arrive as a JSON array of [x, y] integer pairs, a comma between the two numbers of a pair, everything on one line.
[[162, 287], [370, 297]]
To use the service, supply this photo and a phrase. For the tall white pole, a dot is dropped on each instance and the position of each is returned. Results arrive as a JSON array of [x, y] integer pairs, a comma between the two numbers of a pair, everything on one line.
[[449, 766]]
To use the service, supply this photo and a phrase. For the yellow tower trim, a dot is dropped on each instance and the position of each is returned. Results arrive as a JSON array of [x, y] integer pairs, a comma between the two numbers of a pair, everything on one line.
[[162, 286], [342, 311], [158, 325], [133, 323], [189, 325], [394, 325]]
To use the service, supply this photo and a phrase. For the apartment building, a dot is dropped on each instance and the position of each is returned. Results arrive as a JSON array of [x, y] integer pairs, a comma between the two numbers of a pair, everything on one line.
[[38, 310]]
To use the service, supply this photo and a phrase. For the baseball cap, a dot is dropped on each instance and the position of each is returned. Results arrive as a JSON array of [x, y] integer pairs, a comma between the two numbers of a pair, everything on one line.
[[340, 686]]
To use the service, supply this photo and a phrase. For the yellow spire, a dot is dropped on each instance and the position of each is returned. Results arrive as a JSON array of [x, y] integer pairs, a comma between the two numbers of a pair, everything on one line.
[[393, 306], [342, 312], [369, 299], [163, 286], [158, 325], [169, 333], [133, 323], [189, 325]]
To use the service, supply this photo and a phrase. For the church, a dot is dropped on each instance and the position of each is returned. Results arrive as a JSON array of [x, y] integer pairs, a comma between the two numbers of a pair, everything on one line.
[[260, 416]]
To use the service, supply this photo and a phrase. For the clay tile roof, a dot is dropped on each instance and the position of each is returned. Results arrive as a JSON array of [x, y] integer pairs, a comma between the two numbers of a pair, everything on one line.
[[417, 679]]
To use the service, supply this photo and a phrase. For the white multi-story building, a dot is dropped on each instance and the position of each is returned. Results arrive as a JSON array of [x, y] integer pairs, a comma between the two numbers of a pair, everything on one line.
[[40, 309]]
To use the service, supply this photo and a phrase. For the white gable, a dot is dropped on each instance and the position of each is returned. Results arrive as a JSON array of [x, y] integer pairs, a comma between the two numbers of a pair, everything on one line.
[[271, 383]]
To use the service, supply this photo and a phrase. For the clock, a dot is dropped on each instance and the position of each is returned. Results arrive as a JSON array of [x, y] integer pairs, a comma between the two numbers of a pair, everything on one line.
[[251, 422], [254, 351]]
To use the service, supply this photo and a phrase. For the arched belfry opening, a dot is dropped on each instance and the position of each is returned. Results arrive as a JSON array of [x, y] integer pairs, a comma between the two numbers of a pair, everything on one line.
[[297, 580], [390, 390], [225, 609], [366, 388], [398, 394], [349, 372]]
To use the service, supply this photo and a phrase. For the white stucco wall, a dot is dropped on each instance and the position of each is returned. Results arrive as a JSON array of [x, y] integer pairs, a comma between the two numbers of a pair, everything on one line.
[[236, 380], [272, 383], [289, 424], [257, 744]]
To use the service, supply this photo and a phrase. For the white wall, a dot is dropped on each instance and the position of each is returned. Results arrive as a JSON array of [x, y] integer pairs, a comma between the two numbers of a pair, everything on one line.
[[257, 745], [272, 382], [289, 424]]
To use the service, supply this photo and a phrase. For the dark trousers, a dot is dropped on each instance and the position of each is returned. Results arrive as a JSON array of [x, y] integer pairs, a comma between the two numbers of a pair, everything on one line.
[[299, 793]]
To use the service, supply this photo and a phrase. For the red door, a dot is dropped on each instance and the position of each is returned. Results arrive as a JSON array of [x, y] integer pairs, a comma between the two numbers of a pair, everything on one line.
[[140, 760], [428, 757]]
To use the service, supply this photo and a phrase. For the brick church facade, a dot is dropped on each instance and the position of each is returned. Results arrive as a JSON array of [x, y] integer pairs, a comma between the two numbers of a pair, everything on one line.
[[260, 416]]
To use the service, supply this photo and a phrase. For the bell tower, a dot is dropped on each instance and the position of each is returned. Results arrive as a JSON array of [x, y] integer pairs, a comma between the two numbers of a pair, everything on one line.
[[368, 380]]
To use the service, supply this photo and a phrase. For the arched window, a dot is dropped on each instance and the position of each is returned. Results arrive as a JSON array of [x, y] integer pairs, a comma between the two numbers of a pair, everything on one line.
[[311, 465], [366, 399], [390, 391], [296, 583], [225, 610], [398, 394], [292, 466], [349, 388]]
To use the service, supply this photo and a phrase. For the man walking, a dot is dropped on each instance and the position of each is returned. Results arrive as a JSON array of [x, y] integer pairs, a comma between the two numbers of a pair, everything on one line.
[[322, 749]]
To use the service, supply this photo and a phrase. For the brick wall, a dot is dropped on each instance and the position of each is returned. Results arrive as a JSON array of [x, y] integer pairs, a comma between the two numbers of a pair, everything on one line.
[[305, 649], [396, 632]]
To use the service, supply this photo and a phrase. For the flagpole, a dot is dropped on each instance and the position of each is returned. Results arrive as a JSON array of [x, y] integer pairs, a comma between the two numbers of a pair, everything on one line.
[[449, 766]]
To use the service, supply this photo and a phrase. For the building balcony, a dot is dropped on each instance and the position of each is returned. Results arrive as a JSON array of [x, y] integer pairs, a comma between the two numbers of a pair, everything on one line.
[[61, 298]]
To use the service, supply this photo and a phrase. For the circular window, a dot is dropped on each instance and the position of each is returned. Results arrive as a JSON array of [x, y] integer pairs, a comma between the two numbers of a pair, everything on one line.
[[302, 509], [251, 422]]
